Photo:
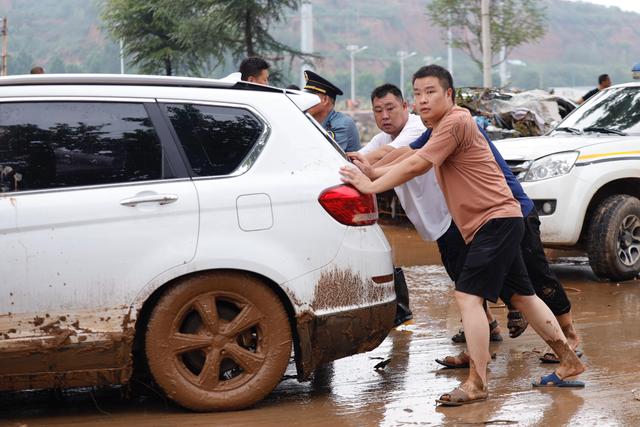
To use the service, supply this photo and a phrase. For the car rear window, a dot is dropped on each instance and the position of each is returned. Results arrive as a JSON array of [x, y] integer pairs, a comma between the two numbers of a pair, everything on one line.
[[47, 145], [215, 139]]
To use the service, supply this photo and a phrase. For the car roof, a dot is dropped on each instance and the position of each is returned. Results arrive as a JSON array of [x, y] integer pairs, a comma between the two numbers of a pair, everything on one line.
[[627, 84], [231, 81], [303, 100]]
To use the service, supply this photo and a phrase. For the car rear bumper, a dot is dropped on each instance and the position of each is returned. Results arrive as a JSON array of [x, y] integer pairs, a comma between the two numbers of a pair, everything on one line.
[[332, 336]]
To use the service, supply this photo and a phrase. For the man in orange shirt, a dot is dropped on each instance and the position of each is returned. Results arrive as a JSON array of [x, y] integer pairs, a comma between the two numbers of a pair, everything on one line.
[[490, 221]]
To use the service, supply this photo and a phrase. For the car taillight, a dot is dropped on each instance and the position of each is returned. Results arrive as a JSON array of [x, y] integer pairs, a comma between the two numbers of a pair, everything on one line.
[[348, 206]]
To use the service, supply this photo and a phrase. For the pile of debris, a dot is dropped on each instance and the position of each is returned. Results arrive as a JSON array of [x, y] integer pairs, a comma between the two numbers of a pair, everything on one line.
[[508, 115]]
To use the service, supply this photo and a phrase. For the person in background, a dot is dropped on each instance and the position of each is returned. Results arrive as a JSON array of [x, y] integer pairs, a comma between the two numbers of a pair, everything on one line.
[[339, 126], [604, 81], [255, 70], [37, 70]]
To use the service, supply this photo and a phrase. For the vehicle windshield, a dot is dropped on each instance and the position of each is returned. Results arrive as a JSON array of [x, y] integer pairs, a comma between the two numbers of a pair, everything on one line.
[[614, 111]]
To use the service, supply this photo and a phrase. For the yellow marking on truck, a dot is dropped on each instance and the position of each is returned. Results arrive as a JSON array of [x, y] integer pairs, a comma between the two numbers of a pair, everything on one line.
[[614, 153]]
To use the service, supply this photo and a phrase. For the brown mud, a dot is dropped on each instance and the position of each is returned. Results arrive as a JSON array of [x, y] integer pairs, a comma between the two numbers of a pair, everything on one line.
[[349, 392], [258, 363], [344, 288]]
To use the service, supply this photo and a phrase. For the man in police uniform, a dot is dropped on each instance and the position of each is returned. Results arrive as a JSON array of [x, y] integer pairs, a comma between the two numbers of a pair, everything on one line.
[[340, 126]]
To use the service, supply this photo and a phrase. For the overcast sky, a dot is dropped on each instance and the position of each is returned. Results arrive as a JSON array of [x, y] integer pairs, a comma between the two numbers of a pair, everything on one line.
[[629, 5]]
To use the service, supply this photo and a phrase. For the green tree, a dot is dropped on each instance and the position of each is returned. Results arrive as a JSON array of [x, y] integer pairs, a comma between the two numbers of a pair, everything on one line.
[[513, 22], [150, 32], [240, 28], [188, 34], [247, 23]]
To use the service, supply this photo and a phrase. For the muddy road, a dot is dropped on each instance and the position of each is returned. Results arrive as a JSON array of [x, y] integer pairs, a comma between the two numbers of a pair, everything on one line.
[[349, 392]]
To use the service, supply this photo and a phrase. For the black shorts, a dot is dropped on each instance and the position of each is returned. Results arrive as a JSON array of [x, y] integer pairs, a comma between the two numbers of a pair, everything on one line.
[[545, 283], [453, 251], [493, 266]]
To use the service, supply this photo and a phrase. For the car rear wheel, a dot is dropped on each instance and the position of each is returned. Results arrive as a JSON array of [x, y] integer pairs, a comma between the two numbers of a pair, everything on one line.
[[218, 341], [614, 238]]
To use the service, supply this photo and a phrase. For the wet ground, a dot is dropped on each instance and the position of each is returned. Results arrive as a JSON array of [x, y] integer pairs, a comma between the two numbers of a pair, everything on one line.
[[349, 392]]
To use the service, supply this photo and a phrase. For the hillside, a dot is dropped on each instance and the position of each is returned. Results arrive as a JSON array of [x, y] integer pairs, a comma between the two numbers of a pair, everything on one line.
[[582, 41], [62, 35]]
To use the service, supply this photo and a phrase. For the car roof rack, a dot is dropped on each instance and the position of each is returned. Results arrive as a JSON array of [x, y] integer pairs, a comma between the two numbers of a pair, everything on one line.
[[231, 81]]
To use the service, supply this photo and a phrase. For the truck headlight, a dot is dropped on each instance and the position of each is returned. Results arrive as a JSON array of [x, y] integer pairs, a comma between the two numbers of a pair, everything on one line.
[[551, 166]]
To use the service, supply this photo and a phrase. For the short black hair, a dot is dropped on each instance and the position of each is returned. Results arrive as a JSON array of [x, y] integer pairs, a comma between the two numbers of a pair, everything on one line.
[[442, 74], [602, 78], [384, 90], [252, 67]]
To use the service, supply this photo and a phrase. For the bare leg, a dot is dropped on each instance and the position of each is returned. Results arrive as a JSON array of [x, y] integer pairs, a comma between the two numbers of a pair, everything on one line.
[[566, 323], [546, 326], [477, 333]]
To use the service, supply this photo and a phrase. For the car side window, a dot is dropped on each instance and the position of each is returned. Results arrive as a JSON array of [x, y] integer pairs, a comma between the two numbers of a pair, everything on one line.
[[47, 145], [215, 139]]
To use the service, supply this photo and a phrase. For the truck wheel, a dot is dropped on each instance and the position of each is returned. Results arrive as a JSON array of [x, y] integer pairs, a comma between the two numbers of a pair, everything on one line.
[[613, 242], [218, 341]]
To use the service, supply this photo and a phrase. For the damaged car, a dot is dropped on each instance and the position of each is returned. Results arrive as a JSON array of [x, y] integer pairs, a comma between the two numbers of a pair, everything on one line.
[[584, 179], [514, 114], [190, 229]]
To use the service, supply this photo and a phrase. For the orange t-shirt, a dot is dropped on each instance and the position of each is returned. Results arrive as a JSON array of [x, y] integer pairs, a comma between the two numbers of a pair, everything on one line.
[[472, 182]]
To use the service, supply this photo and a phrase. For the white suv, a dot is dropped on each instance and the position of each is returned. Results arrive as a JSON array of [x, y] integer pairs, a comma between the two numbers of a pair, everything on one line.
[[584, 178], [195, 228]]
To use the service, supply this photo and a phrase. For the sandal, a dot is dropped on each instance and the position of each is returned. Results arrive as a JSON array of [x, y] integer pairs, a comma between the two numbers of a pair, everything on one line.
[[459, 397], [493, 336], [554, 380], [517, 324], [461, 360], [552, 358]]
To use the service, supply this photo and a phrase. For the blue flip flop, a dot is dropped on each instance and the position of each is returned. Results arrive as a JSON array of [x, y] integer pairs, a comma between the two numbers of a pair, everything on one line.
[[553, 380]]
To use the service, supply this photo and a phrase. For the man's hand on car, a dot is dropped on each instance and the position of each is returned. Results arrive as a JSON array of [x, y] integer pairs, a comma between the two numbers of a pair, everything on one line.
[[362, 163], [352, 175]]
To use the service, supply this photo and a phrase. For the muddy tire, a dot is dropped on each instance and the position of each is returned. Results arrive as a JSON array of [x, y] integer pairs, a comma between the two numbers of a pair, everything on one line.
[[218, 341], [613, 241]]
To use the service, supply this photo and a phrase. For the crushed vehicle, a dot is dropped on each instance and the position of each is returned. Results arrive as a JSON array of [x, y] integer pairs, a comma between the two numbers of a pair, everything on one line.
[[584, 178], [509, 115], [194, 230]]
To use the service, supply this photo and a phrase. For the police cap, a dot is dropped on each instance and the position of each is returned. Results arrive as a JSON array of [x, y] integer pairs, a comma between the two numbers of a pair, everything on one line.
[[318, 84]]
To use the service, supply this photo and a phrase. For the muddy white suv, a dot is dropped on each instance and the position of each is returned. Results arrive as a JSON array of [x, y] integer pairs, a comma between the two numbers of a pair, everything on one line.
[[584, 178], [195, 229]]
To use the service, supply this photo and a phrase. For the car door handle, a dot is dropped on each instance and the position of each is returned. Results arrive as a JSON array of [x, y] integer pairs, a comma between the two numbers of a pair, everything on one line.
[[162, 199]]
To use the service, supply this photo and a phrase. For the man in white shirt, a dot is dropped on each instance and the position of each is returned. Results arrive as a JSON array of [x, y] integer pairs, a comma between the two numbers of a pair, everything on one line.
[[420, 197]]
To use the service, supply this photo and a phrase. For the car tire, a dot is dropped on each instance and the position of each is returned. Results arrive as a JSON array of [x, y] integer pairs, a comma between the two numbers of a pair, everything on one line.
[[613, 242], [218, 341]]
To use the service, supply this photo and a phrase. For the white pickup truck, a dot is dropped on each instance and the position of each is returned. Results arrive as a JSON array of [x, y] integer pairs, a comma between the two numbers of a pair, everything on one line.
[[584, 178]]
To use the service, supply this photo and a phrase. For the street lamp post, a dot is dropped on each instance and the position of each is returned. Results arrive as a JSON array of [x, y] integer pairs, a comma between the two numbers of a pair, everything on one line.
[[353, 49], [402, 55]]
